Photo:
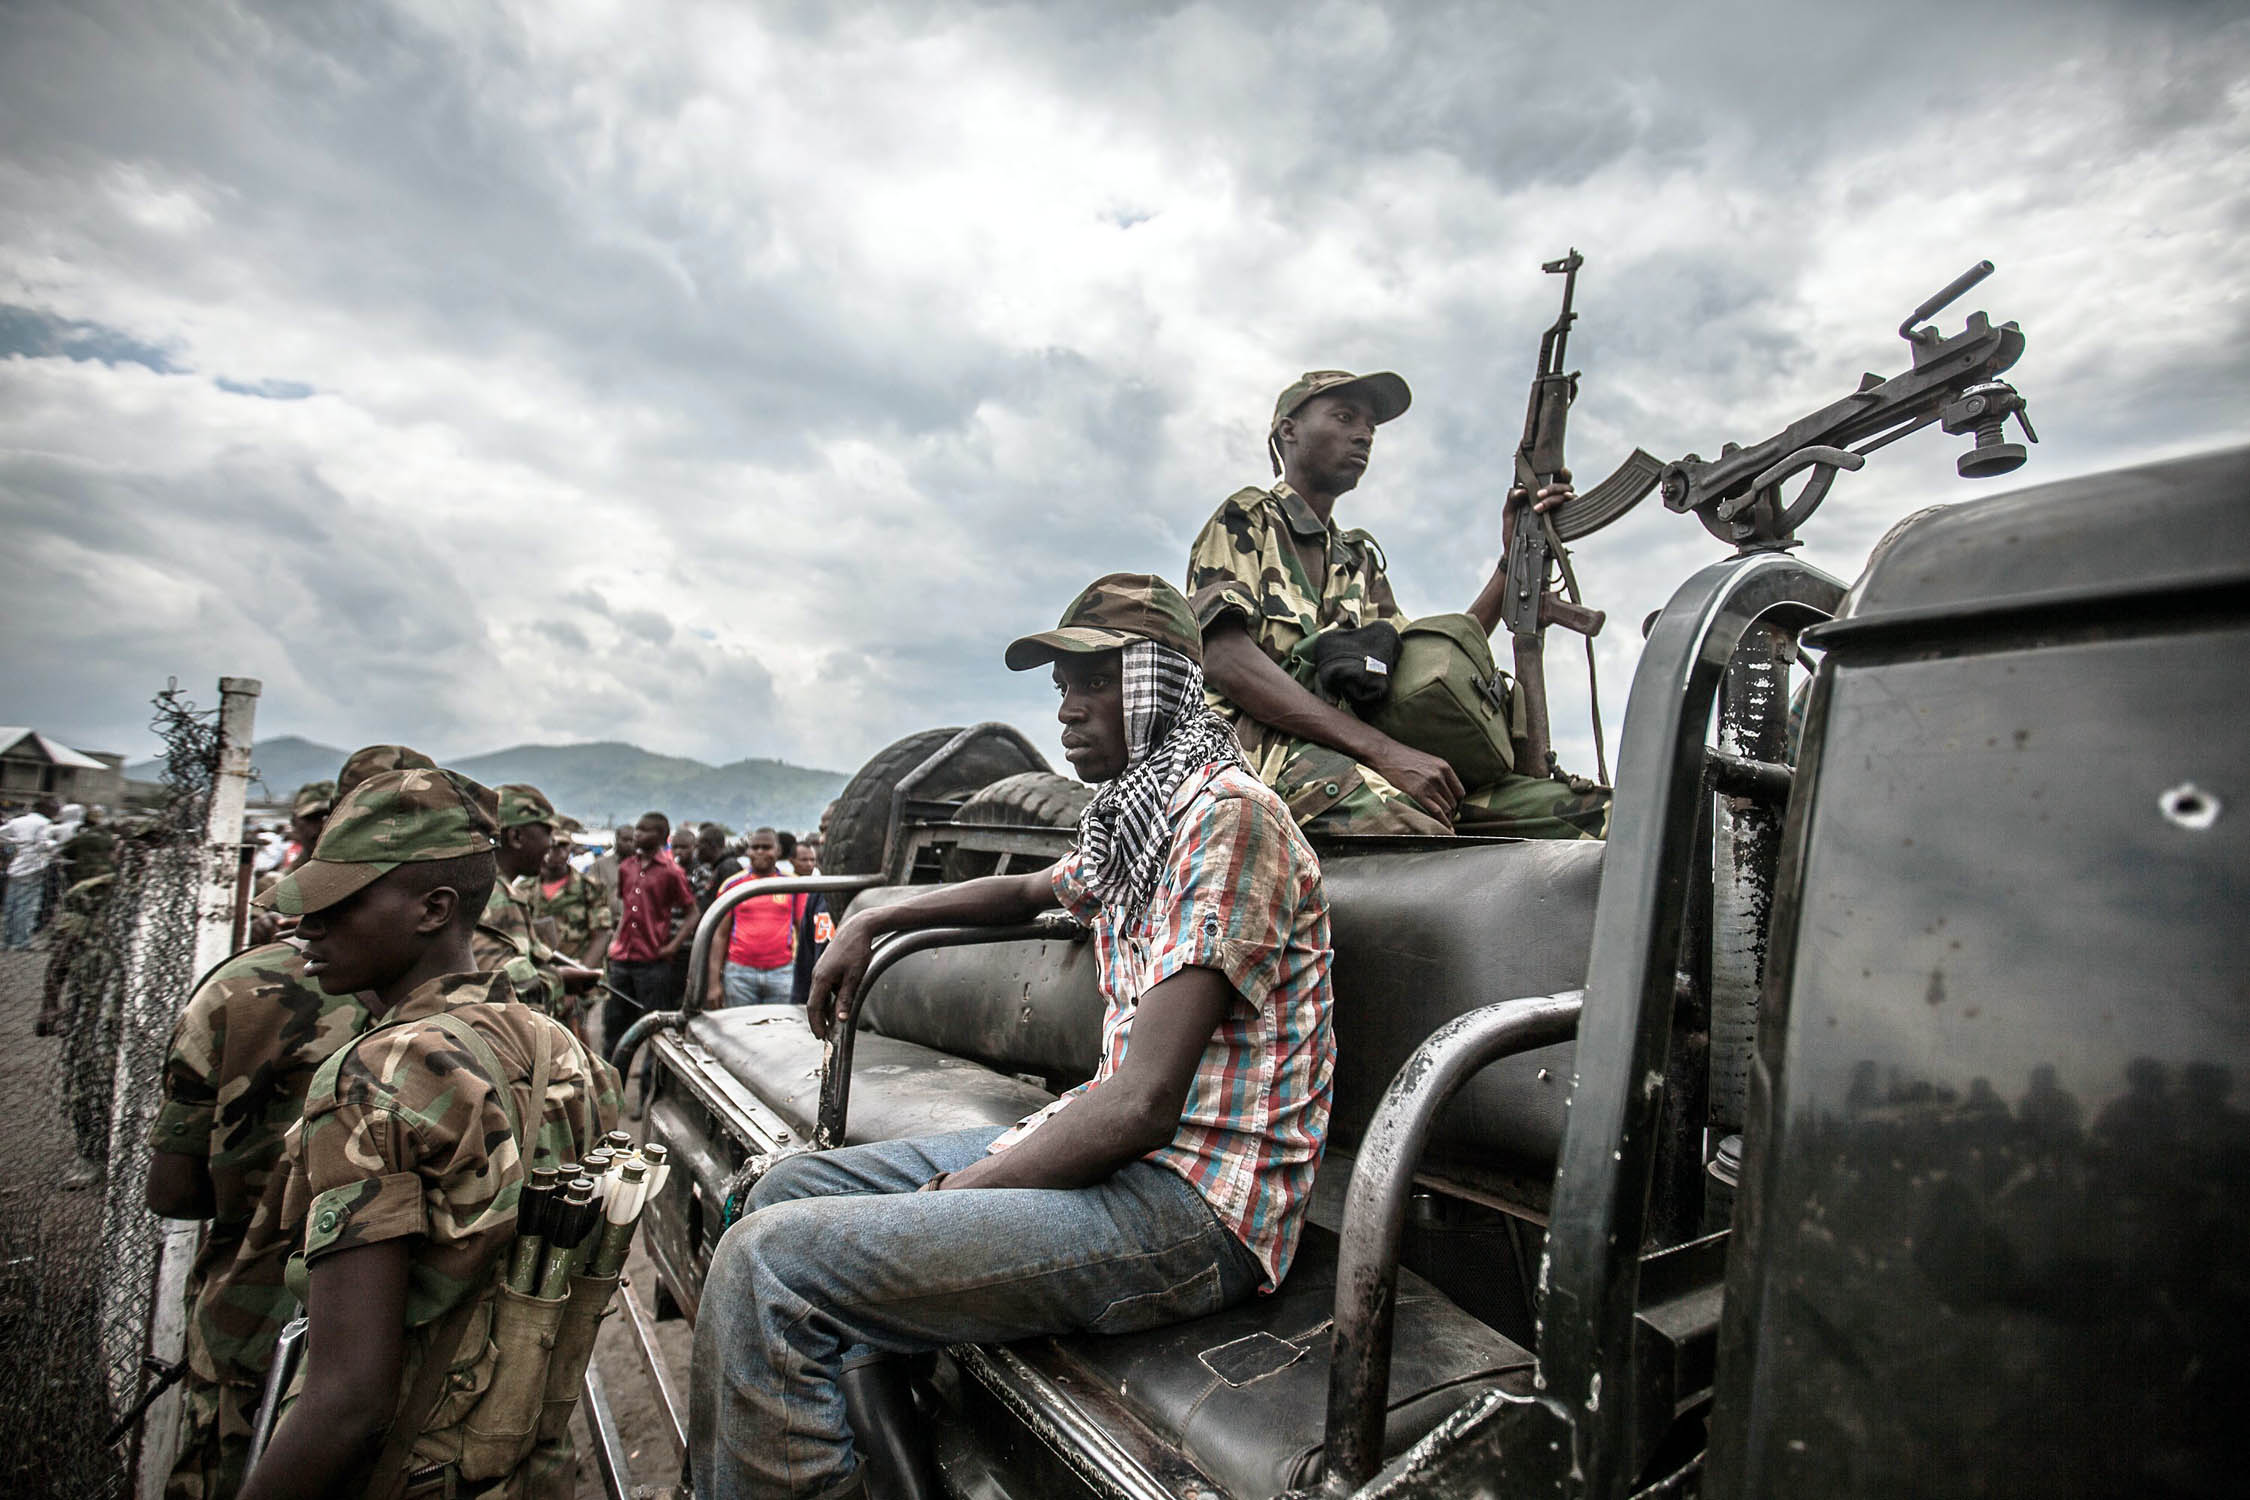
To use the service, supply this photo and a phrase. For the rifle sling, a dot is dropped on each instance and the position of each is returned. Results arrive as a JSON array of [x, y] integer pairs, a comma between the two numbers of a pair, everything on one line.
[[388, 1476]]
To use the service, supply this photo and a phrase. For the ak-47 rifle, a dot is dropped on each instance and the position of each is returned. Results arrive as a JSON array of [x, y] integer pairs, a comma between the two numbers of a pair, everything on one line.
[[1535, 539], [1737, 496]]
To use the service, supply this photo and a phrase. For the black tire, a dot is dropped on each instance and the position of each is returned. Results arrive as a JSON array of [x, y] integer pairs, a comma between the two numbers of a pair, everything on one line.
[[854, 842], [1029, 799]]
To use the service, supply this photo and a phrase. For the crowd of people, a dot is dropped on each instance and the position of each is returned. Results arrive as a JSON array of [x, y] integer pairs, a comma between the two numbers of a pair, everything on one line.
[[45, 849]]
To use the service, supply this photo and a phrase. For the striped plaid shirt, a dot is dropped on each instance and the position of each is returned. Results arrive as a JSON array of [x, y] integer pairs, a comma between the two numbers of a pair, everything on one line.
[[1240, 894]]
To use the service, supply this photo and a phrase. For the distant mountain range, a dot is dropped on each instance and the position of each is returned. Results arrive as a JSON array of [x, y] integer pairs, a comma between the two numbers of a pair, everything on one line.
[[600, 784]]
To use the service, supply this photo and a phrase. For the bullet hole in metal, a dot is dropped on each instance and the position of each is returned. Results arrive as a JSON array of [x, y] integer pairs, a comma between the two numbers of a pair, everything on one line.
[[2188, 806]]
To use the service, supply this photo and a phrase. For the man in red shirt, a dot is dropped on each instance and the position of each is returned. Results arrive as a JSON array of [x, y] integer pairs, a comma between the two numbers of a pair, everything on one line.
[[651, 888], [762, 936]]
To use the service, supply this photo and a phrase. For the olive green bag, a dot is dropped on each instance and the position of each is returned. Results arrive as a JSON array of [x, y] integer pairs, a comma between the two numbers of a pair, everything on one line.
[[1448, 699]]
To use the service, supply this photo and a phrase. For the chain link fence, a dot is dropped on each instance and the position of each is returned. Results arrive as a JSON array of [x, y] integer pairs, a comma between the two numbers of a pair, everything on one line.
[[78, 1248]]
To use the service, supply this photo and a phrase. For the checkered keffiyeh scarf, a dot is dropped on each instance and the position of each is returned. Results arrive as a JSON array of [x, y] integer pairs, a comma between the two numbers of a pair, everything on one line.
[[1170, 732]]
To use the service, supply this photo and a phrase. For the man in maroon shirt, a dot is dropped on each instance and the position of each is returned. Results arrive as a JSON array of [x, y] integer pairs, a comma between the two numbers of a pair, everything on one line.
[[651, 888]]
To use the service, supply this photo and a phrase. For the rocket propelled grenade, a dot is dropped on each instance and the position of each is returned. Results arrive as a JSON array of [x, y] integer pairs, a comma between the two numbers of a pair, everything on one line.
[[621, 1215], [532, 1211], [565, 1232]]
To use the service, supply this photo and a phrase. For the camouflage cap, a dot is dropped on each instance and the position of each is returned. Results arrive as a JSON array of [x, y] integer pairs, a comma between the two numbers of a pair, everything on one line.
[[1114, 609], [1385, 392], [373, 760], [390, 819], [522, 804], [313, 799]]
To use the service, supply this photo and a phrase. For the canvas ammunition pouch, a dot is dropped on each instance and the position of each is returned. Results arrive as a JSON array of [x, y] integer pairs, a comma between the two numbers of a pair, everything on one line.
[[495, 1391], [1448, 699]]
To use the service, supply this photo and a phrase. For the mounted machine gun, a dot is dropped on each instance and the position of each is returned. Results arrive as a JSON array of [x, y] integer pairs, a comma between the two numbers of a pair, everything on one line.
[[1953, 382]]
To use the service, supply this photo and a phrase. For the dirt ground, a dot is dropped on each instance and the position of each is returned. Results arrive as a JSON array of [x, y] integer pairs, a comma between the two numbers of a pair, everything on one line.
[[48, 1242]]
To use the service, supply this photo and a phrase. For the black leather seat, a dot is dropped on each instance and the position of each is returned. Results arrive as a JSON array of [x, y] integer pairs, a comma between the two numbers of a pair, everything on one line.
[[899, 1089], [1244, 1393]]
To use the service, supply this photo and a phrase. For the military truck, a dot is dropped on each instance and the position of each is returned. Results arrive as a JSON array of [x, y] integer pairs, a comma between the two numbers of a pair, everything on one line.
[[1857, 1121]]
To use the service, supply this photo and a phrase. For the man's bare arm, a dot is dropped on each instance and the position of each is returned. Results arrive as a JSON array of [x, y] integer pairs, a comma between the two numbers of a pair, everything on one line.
[[992, 901], [355, 1352], [1133, 1111], [1241, 670]]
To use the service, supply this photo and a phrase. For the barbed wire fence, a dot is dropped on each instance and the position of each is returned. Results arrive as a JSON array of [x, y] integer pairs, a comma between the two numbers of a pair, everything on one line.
[[79, 1250]]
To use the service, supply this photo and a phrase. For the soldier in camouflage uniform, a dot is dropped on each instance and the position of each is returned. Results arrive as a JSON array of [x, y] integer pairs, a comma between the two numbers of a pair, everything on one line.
[[577, 906], [396, 1198], [308, 810], [76, 923], [506, 938], [1270, 569], [242, 1055]]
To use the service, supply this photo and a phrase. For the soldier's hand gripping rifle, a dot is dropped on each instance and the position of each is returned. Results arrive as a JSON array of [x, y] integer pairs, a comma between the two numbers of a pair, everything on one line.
[[1737, 496], [1535, 538]]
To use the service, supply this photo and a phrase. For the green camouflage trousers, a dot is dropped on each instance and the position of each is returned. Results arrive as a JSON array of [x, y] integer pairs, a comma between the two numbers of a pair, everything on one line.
[[215, 1423], [1329, 792]]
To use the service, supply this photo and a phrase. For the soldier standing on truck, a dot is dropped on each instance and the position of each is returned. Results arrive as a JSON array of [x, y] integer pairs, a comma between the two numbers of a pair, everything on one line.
[[1271, 569], [243, 1053], [1172, 1185], [398, 1190]]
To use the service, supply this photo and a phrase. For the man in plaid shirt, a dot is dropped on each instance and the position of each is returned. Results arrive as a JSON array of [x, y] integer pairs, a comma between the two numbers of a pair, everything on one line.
[[1172, 1185]]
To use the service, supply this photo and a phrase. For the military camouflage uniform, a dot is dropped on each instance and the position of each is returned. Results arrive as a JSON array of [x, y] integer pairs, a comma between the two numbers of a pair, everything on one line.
[[580, 909], [506, 941], [77, 921], [1268, 559], [243, 1053], [402, 1137], [406, 1134], [505, 937]]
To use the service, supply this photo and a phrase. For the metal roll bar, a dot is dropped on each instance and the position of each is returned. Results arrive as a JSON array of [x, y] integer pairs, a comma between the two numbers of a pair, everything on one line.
[[1359, 1369], [843, 1031], [1610, 1148]]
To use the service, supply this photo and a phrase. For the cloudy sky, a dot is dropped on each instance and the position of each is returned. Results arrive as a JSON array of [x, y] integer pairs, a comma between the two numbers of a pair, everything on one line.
[[738, 378]]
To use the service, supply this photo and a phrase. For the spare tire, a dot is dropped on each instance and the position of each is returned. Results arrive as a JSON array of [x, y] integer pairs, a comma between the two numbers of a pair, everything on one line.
[[853, 844], [1030, 799]]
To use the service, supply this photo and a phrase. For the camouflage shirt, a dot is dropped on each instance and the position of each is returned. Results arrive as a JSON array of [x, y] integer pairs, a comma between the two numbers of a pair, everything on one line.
[[1265, 558], [580, 909], [243, 1054], [82, 907], [404, 1137], [505, 941]]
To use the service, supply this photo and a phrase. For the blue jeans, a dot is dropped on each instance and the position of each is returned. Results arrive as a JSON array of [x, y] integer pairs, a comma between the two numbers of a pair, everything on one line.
[[24, 894], [839, 1258], [747, 986]]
